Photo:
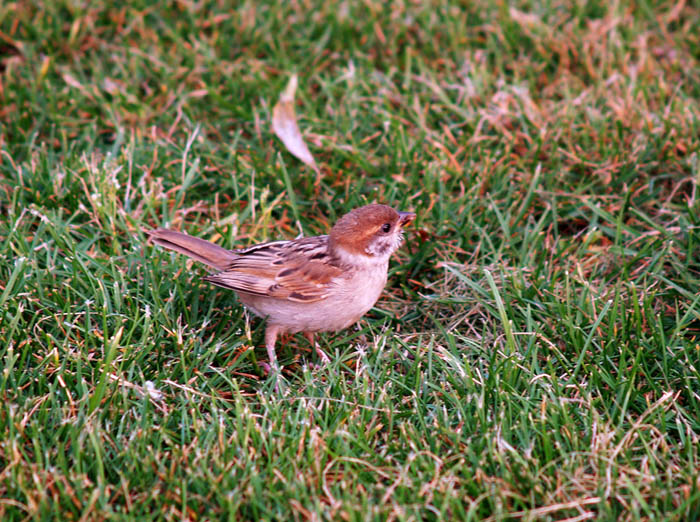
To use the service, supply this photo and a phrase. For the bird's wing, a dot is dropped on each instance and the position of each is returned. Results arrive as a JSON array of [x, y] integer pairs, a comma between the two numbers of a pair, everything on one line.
[[300, 270]]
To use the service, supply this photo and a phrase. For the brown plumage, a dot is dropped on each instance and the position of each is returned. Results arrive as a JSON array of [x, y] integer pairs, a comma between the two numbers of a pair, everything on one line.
[[321, 283]]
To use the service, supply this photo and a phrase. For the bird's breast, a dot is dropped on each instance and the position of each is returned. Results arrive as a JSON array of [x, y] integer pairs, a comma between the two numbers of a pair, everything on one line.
[[351, 295]]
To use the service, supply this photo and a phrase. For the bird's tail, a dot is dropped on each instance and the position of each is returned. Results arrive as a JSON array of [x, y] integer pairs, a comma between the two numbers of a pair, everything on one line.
[[199, 249]]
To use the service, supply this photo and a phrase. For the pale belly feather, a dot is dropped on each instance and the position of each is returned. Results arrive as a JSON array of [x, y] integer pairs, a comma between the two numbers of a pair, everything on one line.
[[351, 298]]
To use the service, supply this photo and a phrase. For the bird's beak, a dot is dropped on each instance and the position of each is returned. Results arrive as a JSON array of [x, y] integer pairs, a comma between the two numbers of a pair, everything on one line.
[[405, 218]]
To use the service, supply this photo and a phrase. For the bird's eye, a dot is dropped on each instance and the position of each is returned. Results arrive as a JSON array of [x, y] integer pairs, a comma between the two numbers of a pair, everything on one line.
[[386, 228]]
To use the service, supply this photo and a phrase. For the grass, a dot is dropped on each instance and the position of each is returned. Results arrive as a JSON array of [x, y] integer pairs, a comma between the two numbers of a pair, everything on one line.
[[535, 354]]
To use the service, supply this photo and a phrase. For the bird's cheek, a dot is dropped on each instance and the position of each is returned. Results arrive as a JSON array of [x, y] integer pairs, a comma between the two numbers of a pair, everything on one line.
[[383, 246], [374, 248]]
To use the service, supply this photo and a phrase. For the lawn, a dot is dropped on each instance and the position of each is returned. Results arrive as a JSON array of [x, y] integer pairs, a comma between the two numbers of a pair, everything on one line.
[[536, 353]]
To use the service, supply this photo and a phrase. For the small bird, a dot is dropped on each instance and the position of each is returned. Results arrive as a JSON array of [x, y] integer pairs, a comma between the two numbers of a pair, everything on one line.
[[312, 284]]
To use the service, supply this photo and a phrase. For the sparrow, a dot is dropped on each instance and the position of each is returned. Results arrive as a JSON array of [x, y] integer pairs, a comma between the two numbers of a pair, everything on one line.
[[313, 284]]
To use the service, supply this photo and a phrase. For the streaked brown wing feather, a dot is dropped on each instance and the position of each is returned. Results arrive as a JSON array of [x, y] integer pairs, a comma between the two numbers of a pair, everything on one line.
[[241, 282], [297, 270]]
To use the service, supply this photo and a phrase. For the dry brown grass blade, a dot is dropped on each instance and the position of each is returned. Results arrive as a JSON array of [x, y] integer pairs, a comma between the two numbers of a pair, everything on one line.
[[284, 124]]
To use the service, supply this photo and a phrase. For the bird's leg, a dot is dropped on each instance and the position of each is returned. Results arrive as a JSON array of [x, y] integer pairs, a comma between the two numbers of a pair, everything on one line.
[[270, 337], [321, 354], [274, 371]]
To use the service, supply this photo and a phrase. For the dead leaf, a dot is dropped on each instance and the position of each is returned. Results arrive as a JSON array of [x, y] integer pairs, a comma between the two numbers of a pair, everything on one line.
[[111, 86], [284, 124], [72, 81]]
